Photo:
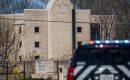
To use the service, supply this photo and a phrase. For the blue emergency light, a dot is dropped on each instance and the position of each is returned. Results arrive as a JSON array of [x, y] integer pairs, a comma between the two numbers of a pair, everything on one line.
[[97, 41], [117, 41], [109, 41], [126, 41]]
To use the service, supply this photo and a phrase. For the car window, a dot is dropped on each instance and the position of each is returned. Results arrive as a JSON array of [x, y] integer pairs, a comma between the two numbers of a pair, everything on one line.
[[95, 56]]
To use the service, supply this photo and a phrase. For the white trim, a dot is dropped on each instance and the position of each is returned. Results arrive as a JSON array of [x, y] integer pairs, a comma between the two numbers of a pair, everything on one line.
[[124, 70], [103, 68], [77, 69], [86, 72]]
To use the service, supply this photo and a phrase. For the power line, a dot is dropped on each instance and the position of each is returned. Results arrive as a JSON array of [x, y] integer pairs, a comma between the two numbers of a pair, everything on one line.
[[119, 23], [45, 20]]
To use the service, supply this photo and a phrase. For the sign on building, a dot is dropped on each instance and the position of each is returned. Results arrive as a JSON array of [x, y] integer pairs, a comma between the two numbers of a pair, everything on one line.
[[43, 66]]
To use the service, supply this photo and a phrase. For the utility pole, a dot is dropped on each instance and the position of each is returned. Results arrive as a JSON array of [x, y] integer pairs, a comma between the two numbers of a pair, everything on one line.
[[73, 26], [57, 69]]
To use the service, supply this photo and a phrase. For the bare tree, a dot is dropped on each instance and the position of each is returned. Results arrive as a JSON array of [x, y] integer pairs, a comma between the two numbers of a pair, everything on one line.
[[9, 43], [7, 39], [113, 18]]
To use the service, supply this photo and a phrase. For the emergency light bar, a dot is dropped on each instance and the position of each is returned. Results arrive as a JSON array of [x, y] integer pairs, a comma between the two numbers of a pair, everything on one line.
[[109, 41]]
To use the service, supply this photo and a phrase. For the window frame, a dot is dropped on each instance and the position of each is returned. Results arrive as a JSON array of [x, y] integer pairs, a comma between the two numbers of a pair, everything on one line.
[[79, 29], [20, 44], [37, 57], [37, 44], [36, 29], [20, 30]]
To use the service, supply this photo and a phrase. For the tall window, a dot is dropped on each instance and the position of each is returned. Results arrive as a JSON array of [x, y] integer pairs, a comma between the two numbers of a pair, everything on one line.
[[60, 69], [95, 31], [20, 44], [37, 44], [20, 30], [20, 58], [79, 29], [36, 29]]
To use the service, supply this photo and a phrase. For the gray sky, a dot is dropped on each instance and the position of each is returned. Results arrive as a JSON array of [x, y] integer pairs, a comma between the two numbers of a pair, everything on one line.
[[17, 6]]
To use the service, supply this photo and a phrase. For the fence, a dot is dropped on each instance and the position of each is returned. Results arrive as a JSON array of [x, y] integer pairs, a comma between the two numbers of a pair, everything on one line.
[[23, 70], [16, 71], [57, 69]]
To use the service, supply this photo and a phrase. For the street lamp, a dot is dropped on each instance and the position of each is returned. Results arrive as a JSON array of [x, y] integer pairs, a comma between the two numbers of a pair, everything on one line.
[[73, 26]]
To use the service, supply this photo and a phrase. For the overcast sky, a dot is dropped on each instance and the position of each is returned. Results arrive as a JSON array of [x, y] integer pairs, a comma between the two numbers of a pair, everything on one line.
[[17, 6]]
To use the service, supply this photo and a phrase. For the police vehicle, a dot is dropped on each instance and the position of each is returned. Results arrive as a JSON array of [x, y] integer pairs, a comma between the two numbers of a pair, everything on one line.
[[101, 60]]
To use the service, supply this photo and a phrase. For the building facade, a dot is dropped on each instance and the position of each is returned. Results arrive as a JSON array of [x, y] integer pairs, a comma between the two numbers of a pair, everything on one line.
[[47, 33]]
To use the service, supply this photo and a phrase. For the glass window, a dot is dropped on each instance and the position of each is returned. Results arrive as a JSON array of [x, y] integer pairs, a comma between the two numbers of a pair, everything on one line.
[[37, 57], [20, 30], [79, 29], [36, 29], [37, 44], [98, 56], [20, 58], [60, 69], [20, 44]]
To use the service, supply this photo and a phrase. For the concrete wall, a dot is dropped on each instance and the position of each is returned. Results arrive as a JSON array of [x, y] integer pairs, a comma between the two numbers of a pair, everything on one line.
[[35, 18], [55, 25], [83, 20]]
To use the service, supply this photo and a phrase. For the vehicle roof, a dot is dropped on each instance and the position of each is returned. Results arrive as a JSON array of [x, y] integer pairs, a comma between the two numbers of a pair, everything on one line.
[[120, 45]]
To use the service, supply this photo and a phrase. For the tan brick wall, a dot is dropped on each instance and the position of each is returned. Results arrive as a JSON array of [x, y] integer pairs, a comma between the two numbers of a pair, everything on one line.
[[60, 31], [55, 34], [35, 18], [82, 19]]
